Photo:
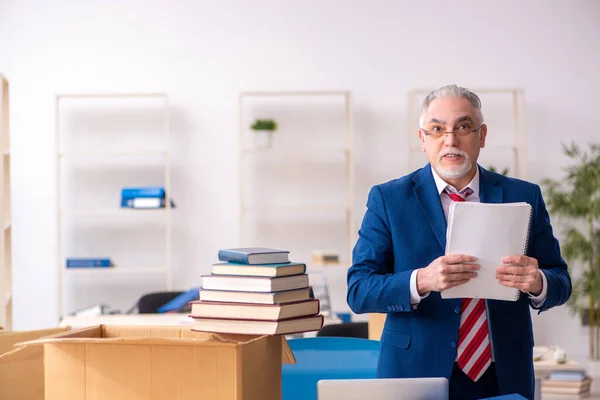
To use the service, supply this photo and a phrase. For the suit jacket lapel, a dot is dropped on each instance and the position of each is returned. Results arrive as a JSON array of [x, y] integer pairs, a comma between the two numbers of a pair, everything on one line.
[[488, 191], [429, 198]]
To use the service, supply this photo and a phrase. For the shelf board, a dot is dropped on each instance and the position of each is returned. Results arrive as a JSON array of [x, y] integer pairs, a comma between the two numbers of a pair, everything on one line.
[[117, 270], [316, 207], [297, 93], [115, 211], [294, 153], [111, 153], [486, 149], [109, 95]]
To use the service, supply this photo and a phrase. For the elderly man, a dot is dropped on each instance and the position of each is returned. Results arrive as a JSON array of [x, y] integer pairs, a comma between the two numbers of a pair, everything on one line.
[[399, 267]]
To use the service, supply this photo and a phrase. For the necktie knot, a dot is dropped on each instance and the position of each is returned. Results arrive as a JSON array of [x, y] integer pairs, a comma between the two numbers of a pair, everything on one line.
[[457, 196]]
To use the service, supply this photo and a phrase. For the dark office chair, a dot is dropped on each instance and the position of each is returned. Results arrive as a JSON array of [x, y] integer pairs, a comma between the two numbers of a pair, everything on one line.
[[346, 329], [151, 302]]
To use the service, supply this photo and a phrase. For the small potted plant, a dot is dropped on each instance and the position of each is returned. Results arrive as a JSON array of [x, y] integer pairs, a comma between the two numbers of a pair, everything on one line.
[[264, 129]]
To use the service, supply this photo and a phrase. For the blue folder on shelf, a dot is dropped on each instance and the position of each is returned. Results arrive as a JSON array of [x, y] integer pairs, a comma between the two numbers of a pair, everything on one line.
[[143, 192], [89, 263]]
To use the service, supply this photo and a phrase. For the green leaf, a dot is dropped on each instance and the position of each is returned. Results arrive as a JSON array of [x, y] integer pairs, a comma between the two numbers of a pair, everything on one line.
[[576, 246]]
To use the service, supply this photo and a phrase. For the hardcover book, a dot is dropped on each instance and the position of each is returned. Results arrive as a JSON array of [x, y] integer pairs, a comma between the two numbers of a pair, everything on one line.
[[254, 283], [281, 269], [264, 312], [252, 327], [286, 296], [254, 255]]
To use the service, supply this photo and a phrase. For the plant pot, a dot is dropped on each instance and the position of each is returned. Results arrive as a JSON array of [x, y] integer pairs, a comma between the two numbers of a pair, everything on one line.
[[585, 315], [263, 138]]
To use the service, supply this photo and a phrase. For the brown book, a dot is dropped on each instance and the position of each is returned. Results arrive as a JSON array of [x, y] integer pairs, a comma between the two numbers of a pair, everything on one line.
[[565, 390], [286, 296], [562, 396], [266, 312], [250, 327], [547, 383], [254, 283]]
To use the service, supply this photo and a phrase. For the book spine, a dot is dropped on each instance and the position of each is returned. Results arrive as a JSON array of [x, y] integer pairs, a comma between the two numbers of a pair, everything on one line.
[[232, 256], [88, 263], [129, 193]]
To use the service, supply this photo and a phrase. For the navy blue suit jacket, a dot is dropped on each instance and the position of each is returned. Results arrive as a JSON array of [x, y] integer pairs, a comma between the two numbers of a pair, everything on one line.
[[404, 228]]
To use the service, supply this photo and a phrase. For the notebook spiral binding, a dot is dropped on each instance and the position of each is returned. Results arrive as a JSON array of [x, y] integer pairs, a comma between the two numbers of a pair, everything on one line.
[[525, 244]]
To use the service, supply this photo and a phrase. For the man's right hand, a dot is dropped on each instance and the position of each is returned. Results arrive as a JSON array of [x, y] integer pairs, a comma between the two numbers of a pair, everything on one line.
[[446, 272]]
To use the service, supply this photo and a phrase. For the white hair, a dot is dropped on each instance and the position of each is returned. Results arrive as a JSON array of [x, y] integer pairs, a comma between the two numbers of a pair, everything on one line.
[[451, 91]]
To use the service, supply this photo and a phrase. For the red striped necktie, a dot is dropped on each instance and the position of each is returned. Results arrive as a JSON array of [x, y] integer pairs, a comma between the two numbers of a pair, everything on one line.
[[474, 350]]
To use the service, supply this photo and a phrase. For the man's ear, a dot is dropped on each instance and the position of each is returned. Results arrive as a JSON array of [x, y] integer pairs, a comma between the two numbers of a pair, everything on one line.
[[422, 139], [482, 135]]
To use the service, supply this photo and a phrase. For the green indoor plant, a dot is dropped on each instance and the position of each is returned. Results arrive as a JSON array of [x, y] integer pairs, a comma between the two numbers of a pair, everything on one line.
[[576, 198], [264, 125], [264, 129]]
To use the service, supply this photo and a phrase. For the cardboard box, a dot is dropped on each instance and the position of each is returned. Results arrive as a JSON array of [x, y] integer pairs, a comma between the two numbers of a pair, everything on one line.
[[22, 379], [376, 322], [159, 363]]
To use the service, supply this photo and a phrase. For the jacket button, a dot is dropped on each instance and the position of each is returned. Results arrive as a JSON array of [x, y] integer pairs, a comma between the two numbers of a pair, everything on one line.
[[457, 309], [389, 308], [400, 308], [453, 344]]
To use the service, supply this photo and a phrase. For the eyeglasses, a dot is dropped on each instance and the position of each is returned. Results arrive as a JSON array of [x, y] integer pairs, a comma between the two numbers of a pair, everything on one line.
[[462, 131]]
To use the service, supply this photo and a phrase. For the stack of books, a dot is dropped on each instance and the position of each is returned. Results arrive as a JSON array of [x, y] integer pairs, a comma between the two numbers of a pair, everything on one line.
[[566, 385], [256, 291]]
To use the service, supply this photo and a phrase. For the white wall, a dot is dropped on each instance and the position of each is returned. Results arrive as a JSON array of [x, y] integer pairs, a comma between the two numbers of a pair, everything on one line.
[[203, 52]]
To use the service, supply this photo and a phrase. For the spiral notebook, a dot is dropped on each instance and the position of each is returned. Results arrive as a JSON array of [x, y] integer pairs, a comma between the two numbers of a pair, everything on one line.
[[488, 232]]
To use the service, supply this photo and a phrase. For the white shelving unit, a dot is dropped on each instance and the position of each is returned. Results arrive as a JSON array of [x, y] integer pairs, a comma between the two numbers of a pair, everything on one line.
[[298, 193], [105, 142], [504, 112], [6, 299]]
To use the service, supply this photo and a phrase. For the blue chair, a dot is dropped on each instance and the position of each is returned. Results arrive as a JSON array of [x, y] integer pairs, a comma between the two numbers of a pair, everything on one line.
[[327, 358]]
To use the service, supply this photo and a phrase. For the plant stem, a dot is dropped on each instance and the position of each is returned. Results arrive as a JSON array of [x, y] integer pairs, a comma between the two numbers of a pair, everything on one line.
[[592, 316]]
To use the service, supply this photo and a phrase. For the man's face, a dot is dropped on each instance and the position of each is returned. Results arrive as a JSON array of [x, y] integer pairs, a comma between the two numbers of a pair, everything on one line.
[[452, 156]]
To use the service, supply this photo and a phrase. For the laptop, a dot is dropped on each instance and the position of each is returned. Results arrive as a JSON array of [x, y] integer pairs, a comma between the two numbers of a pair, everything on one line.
[[383, 389]]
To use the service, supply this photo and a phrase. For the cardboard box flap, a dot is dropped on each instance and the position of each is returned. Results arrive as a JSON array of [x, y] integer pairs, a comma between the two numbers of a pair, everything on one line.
[[144, 335], [287, 355], [10, 344], [22, 354]]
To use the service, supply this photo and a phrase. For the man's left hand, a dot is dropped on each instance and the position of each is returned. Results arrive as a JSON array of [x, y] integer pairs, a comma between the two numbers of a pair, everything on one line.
[[520, 272]]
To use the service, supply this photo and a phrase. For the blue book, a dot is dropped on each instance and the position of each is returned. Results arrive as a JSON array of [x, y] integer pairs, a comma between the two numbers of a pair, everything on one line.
[[137, 192], [280, 269], [89, 263], [254, 255], [567, 375]]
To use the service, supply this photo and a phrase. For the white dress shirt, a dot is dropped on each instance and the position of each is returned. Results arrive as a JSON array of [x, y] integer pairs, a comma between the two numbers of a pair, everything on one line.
[[415, 298]]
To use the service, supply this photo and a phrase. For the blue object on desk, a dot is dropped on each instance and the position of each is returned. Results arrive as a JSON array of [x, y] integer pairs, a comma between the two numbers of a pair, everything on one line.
[[180, 301], [327, 358], [506, 397]]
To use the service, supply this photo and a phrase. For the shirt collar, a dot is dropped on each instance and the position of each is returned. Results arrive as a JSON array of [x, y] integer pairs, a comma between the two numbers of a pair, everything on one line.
[[441, 184]]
